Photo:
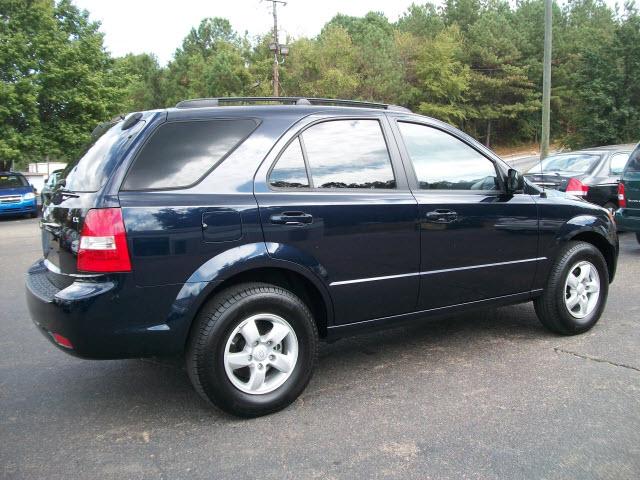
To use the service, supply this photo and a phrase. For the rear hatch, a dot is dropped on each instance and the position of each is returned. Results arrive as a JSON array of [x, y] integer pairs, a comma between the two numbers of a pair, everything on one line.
[[79, 190]]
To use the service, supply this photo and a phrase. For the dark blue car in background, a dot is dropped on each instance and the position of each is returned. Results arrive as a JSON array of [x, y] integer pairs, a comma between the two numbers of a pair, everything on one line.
[[17, 196], [238, 234]]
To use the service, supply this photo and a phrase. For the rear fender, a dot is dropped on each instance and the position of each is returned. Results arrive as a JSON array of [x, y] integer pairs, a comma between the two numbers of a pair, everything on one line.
[[223, 267]]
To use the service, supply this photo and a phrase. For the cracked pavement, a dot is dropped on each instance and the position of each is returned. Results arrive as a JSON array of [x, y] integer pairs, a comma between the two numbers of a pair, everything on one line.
[[482, 395]]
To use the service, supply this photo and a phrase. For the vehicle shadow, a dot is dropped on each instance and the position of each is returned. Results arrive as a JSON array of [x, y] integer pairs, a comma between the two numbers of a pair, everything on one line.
[[141, 390]]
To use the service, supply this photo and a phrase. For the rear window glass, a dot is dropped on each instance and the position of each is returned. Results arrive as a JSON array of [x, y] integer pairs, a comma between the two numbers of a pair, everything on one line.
[[569, 163], [12, 181], [90, 171], [179, 154]]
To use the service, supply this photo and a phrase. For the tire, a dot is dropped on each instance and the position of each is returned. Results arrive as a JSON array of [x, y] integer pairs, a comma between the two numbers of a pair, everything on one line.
[[552, 307], [34, 214], [223, 328]]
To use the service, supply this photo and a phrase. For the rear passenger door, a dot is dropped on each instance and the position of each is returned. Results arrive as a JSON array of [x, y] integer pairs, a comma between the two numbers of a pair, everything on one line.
[[333, 196]]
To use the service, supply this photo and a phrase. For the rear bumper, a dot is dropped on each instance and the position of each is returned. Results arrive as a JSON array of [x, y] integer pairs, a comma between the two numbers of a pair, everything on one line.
[[18, 208], [100, 317], [628, 219]]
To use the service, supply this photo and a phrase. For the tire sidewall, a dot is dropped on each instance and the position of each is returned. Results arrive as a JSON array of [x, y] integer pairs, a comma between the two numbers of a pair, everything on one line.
[[593, 256], [213, 376]]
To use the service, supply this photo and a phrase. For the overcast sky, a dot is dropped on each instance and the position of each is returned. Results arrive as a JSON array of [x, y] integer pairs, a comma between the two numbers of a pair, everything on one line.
[[158, 26]]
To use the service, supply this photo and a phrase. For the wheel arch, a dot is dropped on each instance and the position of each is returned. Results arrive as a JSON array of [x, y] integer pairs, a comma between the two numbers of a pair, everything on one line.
[[596, 230], [249, 263], [602, 244], [289, 279]]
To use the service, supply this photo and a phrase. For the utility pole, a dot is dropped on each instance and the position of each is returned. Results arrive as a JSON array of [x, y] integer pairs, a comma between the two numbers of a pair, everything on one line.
[[275, 47], [546, 80]]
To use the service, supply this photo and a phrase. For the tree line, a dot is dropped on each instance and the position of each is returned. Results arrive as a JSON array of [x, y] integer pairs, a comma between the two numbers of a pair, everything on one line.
[[474, 63]]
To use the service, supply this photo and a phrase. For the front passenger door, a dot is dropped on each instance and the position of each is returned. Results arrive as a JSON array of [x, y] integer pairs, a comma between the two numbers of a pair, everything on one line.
[[476, 241]]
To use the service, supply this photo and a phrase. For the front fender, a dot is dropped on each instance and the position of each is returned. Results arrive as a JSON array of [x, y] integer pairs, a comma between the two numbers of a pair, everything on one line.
[[587, 223], [224, 266]]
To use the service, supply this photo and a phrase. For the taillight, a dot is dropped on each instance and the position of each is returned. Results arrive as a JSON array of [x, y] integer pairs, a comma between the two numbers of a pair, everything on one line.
[[103, 242], [622, 199], [576, 187]]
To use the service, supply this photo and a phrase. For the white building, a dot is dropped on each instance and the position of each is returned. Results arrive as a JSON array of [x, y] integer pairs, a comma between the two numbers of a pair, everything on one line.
[[40, 171]]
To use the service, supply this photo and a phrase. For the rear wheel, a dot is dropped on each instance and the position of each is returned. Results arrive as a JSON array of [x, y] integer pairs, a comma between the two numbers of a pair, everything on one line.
[[253, 349], [576, 291]]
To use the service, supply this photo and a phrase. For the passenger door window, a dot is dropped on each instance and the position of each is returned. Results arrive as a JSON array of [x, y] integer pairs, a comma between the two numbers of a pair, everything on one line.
[[442, 162], [337, 154], [348, 154]]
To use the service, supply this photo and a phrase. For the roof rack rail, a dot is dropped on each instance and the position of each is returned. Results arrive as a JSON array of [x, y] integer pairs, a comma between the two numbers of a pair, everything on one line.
[[216, 102]]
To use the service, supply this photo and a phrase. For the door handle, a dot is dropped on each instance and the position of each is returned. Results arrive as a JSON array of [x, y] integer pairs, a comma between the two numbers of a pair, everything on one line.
[[442, 216], [292, 218]]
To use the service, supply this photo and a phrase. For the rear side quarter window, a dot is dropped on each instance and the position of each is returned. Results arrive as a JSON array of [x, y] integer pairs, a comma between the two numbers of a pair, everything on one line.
[[180, 154]]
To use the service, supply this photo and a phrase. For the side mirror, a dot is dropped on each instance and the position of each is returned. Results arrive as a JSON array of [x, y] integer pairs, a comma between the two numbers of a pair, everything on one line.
[[515, 181]]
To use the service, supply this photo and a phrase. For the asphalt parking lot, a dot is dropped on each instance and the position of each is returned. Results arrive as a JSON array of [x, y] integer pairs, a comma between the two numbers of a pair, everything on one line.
[[484, 395]]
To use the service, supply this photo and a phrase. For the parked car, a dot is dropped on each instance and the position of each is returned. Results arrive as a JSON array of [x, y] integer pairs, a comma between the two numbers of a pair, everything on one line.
[[592, 174], [49, 186], [628, 216], [17, 196], [240, 235]]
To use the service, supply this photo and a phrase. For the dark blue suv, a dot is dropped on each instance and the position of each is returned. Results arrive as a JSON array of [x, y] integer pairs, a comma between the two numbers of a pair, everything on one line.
[[239, 232]]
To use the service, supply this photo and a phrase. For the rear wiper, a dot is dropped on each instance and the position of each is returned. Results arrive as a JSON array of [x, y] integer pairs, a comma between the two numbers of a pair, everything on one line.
[[67, 193]]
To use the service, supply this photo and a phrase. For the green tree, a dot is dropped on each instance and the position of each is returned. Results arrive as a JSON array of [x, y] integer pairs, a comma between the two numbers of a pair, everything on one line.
[[57, 80], [627, 53], [463, 13], [210, 63], [375, 56], [500, 92], [143, 78], [326, 67], [443, 78], [421, 20]]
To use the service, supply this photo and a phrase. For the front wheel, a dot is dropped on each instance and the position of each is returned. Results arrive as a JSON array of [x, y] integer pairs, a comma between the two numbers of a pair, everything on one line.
[[576, 291], [253, 349]]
